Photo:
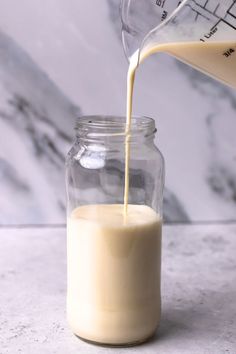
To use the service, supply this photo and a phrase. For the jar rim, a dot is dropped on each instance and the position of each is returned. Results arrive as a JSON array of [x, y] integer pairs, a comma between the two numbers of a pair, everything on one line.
[[108, 125]]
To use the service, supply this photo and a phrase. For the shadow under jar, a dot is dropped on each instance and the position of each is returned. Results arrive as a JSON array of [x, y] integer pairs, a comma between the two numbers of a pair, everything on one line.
[[113, 258]]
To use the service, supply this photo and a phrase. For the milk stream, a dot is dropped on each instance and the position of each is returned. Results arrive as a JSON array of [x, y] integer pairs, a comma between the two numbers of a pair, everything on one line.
[[216, 59]]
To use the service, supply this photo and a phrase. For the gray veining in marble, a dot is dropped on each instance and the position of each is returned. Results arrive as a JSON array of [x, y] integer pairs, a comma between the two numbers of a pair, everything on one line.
[[198, 293], [34, 140]]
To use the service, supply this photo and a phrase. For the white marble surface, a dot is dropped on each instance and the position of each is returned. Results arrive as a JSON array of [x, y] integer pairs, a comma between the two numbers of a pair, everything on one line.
[[198, 293], [61, 59]]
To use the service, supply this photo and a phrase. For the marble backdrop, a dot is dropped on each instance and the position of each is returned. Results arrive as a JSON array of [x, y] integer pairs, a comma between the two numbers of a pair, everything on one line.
[[60, 59]]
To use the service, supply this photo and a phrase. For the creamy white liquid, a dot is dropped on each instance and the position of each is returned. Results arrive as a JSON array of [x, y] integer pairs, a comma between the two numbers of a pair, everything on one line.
[[113, 273], [217, 59]]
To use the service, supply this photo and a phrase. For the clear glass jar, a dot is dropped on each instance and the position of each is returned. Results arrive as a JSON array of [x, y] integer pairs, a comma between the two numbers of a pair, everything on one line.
[[114, 260]]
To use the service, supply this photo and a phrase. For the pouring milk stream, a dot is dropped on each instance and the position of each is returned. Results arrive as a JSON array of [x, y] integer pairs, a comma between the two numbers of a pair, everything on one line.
[[201, 33]]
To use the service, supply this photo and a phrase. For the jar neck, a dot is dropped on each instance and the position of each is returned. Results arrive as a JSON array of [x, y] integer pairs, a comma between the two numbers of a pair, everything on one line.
[[112, 130]]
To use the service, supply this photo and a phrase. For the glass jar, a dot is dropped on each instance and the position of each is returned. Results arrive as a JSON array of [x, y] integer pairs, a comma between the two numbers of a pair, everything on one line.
[[114, 260]]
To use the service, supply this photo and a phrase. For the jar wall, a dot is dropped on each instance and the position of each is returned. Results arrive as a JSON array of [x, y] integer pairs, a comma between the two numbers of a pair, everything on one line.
[[95, 173]]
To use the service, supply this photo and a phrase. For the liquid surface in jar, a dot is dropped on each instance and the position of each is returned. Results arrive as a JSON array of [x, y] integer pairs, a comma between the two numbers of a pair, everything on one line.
[[113, 272]]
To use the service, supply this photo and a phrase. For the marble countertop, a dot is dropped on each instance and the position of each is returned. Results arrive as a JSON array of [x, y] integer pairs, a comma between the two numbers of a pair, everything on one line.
[[198, 292]]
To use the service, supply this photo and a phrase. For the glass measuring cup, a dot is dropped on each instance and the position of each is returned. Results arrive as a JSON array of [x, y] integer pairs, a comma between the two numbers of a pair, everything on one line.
[[180, 28]]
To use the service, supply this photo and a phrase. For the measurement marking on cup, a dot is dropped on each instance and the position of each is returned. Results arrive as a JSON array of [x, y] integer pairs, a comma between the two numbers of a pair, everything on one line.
[[230, 13], [197, 12], [229, 52], [224, 21], [234, 2], [204, 8], [160, 3], [229, 24], [220, 19], [212, 28], [204, 12], [217, 7]]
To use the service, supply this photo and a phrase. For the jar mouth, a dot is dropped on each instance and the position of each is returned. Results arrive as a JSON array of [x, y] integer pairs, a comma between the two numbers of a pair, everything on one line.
[[94, 126]]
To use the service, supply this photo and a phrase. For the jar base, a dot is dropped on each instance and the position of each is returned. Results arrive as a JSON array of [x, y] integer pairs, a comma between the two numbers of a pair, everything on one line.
[[121, 345]]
